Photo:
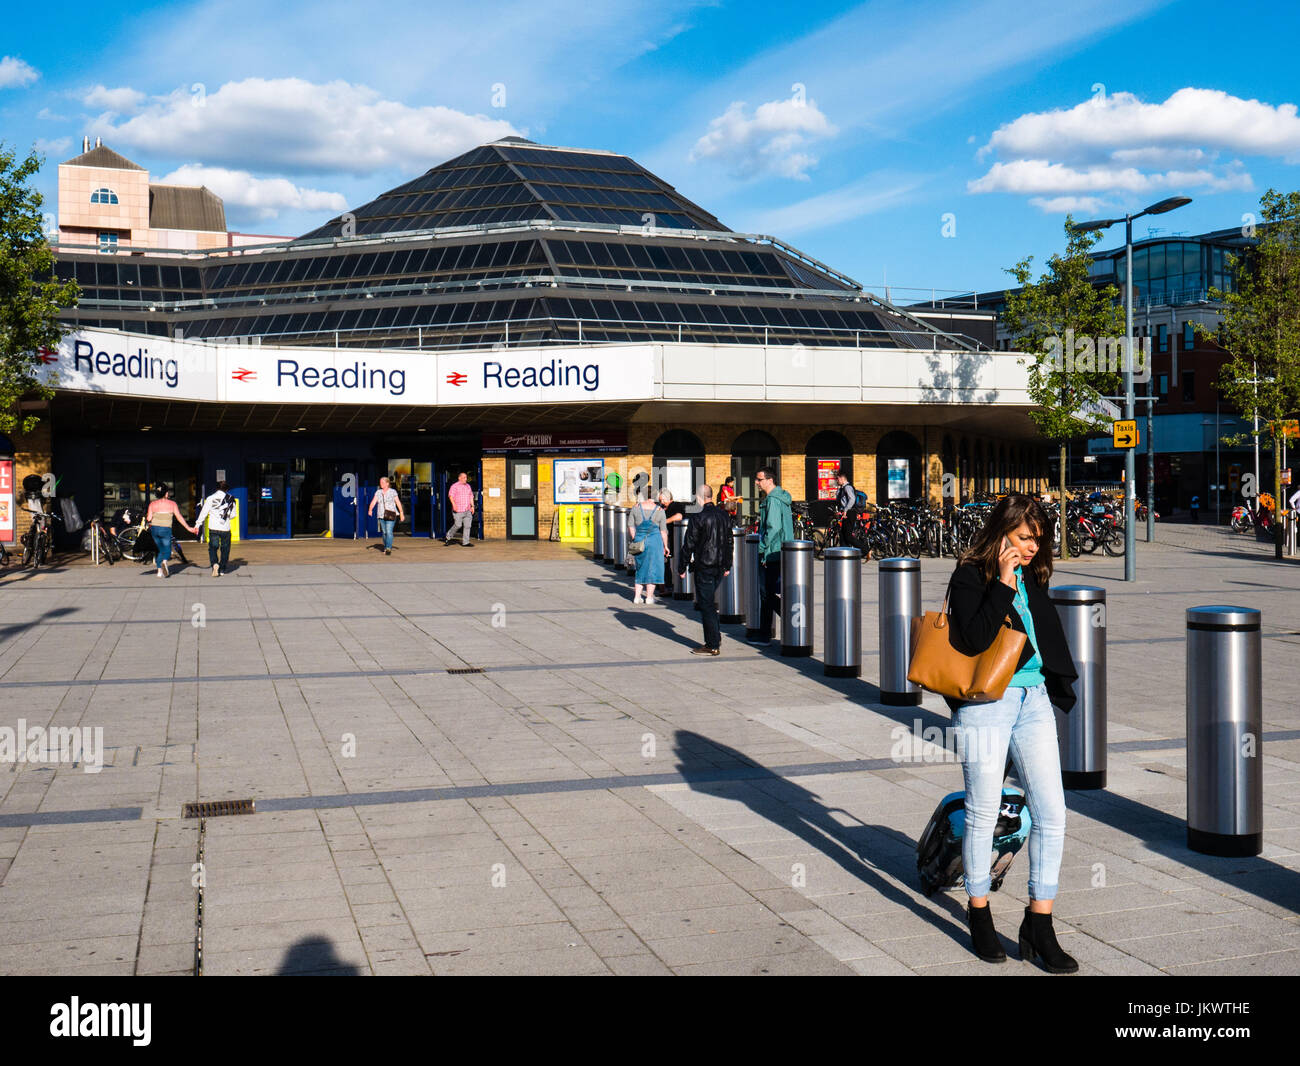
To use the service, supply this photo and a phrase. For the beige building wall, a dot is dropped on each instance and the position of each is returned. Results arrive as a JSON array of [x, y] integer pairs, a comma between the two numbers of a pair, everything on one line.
[[80, 221]]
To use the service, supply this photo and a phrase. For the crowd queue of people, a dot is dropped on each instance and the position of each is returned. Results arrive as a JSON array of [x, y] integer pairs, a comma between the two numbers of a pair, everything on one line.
[[1001, 580]]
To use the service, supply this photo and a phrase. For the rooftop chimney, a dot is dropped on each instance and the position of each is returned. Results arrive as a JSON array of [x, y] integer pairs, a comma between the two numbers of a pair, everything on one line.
[[96, 142], [85, 144]]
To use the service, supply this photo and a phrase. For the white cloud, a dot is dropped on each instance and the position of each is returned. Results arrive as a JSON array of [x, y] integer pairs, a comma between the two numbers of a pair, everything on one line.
[[284, 123], [55, 147], [1066, 205], [263, 197], [117, 100], [46, 115], [873, 193], [1197, 119], [771, 141], [1116, 145], [1039, 176], [14, 73]]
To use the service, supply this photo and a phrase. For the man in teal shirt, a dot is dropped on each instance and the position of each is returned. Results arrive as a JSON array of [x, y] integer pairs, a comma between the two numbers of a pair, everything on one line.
[[775, 527]]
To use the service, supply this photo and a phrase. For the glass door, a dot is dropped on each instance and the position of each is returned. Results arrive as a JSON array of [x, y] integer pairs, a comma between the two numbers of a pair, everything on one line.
[[268, 499], [521, 499]]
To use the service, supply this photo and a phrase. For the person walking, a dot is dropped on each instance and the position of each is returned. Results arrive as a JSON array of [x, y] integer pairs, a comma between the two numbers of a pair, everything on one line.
[[647, 525], [219, 510], [389, 502], [775, 527], [846, 499], [160, 515], [176, 544], [1003, 577], [674, 513], [707, 550], [1196, 508], [462, 509]]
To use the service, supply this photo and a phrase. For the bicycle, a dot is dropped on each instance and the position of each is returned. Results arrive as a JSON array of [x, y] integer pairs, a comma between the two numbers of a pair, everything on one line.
[[100, 544], [37, 541]]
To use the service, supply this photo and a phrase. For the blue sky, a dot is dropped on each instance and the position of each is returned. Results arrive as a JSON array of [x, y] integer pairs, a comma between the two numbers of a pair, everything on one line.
[[861, 133]]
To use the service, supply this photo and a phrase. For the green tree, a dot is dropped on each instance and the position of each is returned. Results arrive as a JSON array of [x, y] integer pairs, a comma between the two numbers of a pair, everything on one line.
[[1260, 328], [30, 297], [1072, 328]]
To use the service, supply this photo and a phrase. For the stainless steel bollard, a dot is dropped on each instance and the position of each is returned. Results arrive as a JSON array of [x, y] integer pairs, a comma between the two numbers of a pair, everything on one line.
[[598, 530], [1225, 758], [731, 589], [1081, 734], [683, 587], [900, 602], [797, 598], [607, 549], [753, 589], [618, 536], [843, 578]]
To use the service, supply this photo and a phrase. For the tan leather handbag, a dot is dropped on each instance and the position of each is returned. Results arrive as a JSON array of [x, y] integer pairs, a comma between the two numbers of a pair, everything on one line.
[[939, 667]]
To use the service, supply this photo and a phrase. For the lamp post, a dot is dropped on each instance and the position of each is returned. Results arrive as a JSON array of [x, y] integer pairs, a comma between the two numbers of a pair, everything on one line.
[[1130, 464]]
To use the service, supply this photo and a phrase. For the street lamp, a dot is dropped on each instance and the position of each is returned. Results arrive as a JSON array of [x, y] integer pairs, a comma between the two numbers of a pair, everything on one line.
[[1130, 464]]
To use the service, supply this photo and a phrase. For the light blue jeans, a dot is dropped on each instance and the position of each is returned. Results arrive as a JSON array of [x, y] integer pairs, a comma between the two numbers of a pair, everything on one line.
[[1023, 721], [386, 530]]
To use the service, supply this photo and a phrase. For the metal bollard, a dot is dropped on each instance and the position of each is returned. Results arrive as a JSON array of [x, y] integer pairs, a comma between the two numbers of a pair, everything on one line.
[[797, 598], [731, 589], [1225, 760], [753, 589], [683, 587], [843, 578], [618, 536], [607, 548], [598, 530], [1081, 734], [900, 602]]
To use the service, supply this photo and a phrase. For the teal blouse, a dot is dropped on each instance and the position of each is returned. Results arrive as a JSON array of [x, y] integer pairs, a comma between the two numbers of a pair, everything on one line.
[[1032, 672]]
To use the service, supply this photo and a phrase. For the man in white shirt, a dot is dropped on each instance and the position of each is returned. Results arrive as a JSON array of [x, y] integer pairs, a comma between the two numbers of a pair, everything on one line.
[[219, 510]]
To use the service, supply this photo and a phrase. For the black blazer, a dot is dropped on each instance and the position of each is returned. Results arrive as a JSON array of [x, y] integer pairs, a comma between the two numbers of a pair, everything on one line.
[[976, 609]]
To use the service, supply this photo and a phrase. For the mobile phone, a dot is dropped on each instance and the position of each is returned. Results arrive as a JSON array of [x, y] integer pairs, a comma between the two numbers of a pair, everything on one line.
[[1005, 543]]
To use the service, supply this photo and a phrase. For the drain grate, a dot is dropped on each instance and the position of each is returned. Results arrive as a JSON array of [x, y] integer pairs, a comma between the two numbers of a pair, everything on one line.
[[464, 669], [217, 808]]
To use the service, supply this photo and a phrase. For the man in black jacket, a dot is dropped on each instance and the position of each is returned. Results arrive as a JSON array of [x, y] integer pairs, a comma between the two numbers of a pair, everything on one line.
[[706, 548]]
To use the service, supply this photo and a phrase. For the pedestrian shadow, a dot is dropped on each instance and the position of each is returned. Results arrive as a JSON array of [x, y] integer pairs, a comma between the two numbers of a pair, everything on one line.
[[13, 628], [315, 956], [881, 857], [1166, 835], [648, 622]]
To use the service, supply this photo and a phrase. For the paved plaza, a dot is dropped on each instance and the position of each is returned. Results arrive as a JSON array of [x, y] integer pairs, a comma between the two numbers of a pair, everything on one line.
[[489, 761]]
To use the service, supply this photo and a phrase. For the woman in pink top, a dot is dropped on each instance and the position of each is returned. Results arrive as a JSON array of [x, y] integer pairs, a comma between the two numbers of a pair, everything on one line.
[[159, 516]]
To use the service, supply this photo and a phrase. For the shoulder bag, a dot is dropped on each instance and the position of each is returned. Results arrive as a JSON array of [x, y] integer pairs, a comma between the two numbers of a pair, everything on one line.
[[939, 667]]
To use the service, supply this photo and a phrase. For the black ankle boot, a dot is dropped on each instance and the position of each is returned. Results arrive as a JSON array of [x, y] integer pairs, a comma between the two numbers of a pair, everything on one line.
[[984, 937], [1038, 941]]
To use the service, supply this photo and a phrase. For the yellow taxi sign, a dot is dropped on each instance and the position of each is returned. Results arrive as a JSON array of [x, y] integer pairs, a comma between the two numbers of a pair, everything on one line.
[[1125, 434]]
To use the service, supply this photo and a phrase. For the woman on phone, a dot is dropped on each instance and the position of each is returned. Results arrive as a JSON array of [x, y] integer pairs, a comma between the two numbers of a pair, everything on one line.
[[1002, 579], [162, 512]]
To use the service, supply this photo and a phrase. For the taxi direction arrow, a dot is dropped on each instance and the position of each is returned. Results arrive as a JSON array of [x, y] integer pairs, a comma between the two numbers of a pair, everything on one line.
[[1125, 434]]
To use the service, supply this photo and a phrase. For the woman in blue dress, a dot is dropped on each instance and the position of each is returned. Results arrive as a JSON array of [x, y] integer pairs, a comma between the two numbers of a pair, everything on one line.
[[645, 523]]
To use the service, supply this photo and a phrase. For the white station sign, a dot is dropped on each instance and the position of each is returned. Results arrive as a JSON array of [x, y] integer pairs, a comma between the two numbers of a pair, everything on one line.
[[127, 364]]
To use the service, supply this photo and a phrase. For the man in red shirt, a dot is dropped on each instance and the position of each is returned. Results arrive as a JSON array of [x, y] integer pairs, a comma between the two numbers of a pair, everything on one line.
[[462, 507]]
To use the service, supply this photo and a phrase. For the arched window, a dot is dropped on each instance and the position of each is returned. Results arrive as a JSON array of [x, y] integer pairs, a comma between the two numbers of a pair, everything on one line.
[[900, 474], [751, 451], [103, 196], [825, 453], [677, 464]]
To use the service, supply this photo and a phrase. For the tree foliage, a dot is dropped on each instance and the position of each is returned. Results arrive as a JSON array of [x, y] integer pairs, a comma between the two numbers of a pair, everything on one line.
[[1065, 302], [31, 299]]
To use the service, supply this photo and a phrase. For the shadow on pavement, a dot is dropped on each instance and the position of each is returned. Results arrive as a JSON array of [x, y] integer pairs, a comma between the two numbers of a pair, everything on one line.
[[880, 856], [314, 955], [17, 627]]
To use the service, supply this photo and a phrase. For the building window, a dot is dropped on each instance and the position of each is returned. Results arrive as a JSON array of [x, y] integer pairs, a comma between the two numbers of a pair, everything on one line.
[[1163, 388], [1189, 386], [1189, 337], [103, 196], [108, 242], [1162, 337]]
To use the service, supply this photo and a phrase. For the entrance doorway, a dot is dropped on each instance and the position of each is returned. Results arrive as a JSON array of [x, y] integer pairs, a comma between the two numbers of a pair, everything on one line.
[[521, 499], [750, 452]]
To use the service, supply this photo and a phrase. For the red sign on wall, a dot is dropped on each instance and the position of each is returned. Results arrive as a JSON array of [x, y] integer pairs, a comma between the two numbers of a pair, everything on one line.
[[827, 486], [7, 518]]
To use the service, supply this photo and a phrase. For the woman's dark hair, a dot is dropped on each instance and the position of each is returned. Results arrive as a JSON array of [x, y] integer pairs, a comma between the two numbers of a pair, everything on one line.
[[729, 480], [1004, 517], [160, 492]]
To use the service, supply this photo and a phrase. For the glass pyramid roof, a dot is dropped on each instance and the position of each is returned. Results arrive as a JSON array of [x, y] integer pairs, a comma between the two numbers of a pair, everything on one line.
[[515, 180]]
